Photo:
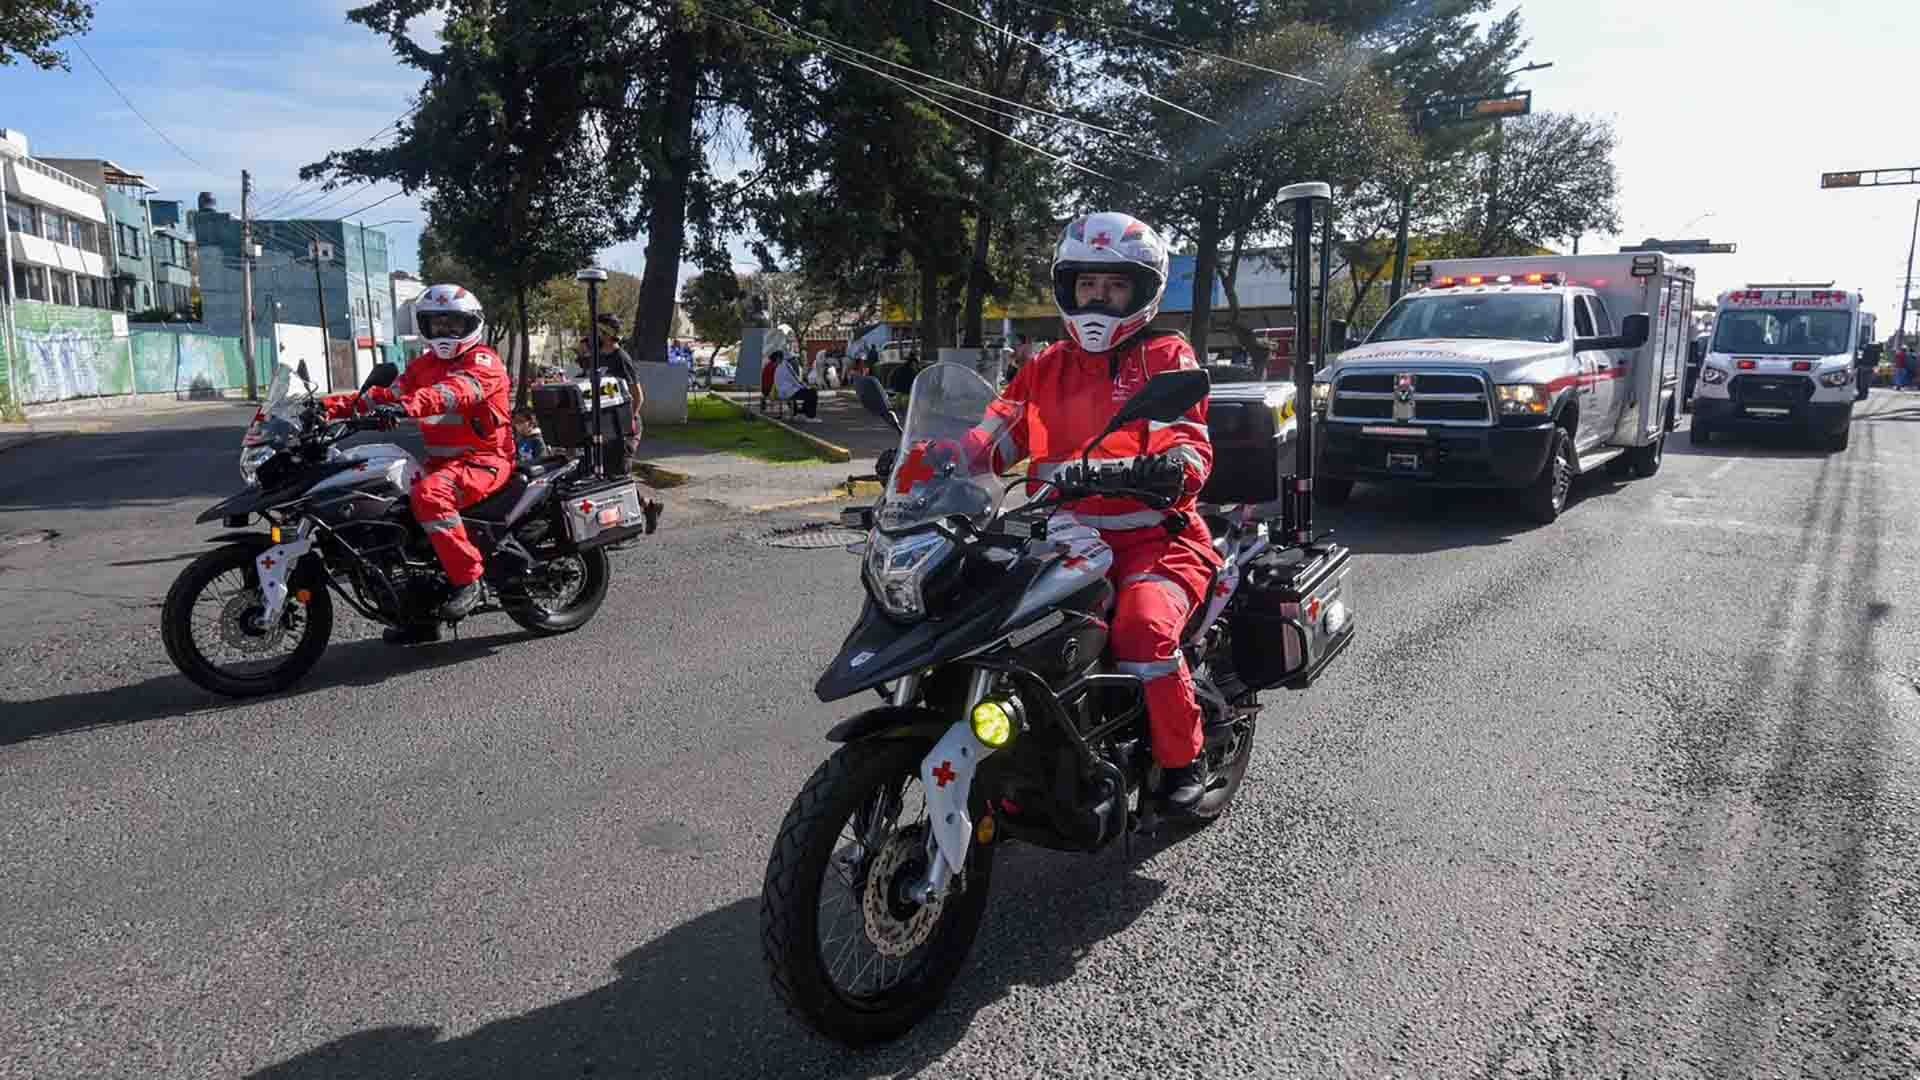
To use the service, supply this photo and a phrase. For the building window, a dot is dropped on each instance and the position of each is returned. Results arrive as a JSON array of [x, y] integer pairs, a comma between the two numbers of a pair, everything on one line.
[[146, 298], [20, 218], [53, 226], [29, 282], [62, 289], [130, 247], [83, 291], [86, 236]]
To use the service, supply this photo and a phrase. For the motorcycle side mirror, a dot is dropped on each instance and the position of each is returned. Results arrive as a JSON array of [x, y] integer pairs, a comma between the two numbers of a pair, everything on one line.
[[874, 397], [1166, 397], [383, 374]]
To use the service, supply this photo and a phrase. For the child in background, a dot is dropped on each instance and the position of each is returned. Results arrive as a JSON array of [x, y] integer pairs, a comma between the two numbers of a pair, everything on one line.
[[528, 444]]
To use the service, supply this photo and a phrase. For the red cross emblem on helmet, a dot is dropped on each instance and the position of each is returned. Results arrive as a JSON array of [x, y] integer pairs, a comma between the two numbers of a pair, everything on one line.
[[1102, 239]]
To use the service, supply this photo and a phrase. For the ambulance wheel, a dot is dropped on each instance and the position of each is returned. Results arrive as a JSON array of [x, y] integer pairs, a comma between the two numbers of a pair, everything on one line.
[[1333, 490], [1701, 434], [1645, 460], [1546, 497]]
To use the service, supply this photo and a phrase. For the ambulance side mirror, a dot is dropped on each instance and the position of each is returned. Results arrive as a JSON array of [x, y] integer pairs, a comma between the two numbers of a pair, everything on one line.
[[1633, 334]]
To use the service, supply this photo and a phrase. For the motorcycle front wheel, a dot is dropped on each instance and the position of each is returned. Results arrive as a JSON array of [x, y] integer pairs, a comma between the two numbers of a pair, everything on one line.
[[848, 950], [211, 626]]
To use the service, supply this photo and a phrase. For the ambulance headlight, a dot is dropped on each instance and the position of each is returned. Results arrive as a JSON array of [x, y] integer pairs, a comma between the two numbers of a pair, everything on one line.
[[1523, 399], [1322, 393], [1837, 378], [1713, 376]]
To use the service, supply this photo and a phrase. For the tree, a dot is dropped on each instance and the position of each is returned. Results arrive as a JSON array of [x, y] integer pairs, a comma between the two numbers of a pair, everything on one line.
[[792, 300], [514, 135], [1228, 137], [712, 300], [28, 29], [1546, 177]]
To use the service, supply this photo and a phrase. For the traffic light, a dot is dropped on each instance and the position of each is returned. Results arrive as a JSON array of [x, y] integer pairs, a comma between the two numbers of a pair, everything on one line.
[[1509, 106]]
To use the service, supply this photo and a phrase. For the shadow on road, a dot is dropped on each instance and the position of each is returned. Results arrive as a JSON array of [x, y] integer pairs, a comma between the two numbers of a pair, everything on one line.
[[696, 1002], [368, 662], [1404, 519]]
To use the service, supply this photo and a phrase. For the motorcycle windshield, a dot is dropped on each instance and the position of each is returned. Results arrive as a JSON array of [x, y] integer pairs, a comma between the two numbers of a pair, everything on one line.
[[937, 474], [279, 414]]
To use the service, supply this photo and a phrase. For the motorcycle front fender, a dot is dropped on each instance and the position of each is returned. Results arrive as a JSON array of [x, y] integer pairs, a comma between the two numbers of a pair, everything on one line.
[[946, 774], [888, 722]]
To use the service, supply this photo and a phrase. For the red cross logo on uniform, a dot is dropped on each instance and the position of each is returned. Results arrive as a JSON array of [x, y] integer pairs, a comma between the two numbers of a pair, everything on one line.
[[945, 775]]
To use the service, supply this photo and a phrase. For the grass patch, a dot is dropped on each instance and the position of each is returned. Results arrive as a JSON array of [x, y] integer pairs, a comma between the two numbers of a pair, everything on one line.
[[714, 424], [9, 411]]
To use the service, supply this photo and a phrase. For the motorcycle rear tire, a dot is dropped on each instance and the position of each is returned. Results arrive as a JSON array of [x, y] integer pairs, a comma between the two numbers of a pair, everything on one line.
[[176, 627], [790, 901], [1226, 780], [575, 615]]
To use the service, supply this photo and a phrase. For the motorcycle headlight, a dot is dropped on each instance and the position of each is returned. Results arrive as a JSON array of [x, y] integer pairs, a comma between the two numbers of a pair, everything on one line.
[[1713, 376], [1523, 399], [1837, 378], [897, 569], [250, 461]]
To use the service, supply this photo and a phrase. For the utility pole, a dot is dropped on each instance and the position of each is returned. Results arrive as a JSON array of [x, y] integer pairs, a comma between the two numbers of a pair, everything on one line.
[[366, 281], [1906, 292], [321, 251], [246, 281]]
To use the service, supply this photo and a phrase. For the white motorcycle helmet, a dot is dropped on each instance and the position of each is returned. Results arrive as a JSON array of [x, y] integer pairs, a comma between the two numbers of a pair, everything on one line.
[[449, 303], [1109, 243]]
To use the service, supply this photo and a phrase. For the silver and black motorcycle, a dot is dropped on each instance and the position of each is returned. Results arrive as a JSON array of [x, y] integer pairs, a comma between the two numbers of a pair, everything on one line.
[[253, 615], [985, 633]]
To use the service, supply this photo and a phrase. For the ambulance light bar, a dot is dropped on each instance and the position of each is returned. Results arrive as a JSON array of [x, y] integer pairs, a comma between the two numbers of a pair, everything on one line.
[[1500, 279]]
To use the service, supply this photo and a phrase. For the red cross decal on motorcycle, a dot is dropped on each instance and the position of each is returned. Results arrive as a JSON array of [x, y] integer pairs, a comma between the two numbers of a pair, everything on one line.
[[913, 471], [586, 506], [945, 775], [266, 563]]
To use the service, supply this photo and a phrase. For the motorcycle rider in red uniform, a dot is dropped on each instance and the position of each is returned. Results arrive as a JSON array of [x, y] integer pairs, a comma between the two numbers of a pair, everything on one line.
[[461, 394], [1109, 274]]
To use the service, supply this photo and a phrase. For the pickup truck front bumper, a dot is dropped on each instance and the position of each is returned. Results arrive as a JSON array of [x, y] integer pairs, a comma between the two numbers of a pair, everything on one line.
[[1463, 457]]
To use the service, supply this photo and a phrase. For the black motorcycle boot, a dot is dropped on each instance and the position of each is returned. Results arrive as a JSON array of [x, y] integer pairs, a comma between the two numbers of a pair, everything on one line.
[[417, 634], [652, 508], [1182, 788], [464, 599]]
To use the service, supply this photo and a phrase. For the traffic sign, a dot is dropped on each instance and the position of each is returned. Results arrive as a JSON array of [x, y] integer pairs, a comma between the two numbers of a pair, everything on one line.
[[1871, 178], [1682, 247], [1473, 109]]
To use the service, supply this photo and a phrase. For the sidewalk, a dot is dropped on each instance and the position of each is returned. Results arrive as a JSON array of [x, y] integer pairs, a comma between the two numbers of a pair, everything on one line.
[[718, 482]]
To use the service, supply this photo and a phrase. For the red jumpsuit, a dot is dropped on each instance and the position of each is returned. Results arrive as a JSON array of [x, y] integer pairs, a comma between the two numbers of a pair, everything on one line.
[[465, 407], [1059, 400]]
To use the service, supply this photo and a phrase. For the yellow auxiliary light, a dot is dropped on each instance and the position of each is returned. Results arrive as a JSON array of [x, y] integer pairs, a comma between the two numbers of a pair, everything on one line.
[[993, 723], [276, 534]]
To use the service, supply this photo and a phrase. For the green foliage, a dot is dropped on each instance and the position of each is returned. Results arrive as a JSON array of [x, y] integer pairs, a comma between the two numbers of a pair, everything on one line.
[[712, 301], [28, 29]]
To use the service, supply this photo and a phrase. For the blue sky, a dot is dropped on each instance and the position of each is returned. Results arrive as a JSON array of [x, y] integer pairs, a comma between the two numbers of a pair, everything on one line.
[[1727, 113]]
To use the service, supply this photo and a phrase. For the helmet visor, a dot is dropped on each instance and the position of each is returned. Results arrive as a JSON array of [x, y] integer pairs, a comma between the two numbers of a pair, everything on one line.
[[1101, 298], [446, 324]]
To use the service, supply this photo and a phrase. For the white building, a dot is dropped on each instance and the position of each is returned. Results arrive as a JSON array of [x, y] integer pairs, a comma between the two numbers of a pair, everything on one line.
[[58, 249]]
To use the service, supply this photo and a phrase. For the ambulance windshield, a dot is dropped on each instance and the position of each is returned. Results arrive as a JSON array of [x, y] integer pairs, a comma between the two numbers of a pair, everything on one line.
[[1502, 316], [1776, 332]]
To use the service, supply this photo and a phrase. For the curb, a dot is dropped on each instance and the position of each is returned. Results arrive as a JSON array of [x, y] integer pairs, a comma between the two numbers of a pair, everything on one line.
[[10, 442], [832, 451], [659, 477], [795, 504]]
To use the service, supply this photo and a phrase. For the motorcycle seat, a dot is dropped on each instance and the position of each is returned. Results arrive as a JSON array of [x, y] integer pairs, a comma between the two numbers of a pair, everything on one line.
[[545, 465], [494, 508]]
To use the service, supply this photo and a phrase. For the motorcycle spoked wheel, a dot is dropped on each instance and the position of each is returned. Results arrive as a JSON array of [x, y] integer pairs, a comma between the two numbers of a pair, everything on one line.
[[561, 596], [216, 601], [847, 950]]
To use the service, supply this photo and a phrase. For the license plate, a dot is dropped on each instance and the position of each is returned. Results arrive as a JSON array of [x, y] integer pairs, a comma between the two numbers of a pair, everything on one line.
[[1403, 461], [1768, 410]]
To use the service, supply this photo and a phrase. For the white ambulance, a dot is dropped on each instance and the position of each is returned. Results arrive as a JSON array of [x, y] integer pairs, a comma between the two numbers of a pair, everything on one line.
[[1516, 373], [1783, 357]]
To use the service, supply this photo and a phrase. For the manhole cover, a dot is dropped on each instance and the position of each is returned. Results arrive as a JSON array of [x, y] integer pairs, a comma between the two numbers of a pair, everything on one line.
[[24, 537], [817, 535]]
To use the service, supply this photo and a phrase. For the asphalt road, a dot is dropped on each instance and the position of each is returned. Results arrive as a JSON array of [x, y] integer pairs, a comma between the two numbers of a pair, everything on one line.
[[1633, 795]]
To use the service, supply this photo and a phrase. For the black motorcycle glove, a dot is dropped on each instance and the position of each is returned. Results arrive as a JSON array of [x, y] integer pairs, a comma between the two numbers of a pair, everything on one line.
[[883, 465], [388, 417], [1161, 475]]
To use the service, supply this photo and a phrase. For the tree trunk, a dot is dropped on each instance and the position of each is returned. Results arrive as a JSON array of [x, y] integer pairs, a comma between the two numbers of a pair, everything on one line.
[[978, 279], [1205, 260], [667, 205], [1257, 351], [525, 391], [929, 312]]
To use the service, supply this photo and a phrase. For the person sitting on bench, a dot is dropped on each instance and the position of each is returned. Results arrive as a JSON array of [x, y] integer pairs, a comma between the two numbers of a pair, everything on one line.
[[786, 380]]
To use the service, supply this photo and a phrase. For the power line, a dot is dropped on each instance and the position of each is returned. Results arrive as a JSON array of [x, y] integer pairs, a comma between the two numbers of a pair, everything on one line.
[[136, 110], [1124, 84], [281, 198], [1190, 50]]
